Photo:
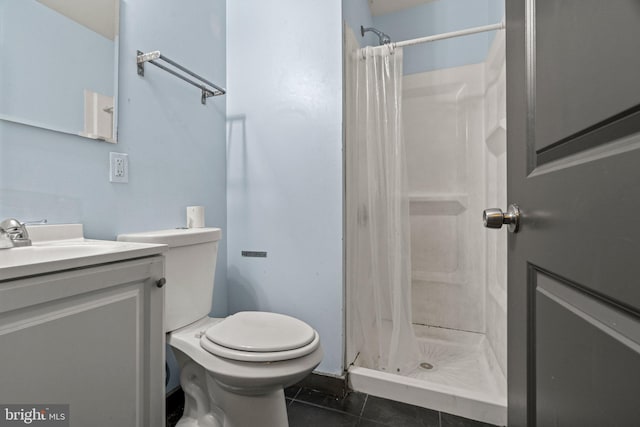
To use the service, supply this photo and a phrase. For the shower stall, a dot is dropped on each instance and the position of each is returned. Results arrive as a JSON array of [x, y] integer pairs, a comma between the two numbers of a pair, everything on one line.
[[421, 165]]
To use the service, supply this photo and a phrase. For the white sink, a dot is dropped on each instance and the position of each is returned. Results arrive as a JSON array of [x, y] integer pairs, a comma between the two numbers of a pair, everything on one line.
[[61, 247]]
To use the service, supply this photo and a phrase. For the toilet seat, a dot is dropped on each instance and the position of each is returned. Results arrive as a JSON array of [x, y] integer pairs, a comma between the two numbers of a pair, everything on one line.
[[256, 356], [254, 336]]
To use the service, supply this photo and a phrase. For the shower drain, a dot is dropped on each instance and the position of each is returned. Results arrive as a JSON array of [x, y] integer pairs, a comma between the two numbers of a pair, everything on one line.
[[426, 365]]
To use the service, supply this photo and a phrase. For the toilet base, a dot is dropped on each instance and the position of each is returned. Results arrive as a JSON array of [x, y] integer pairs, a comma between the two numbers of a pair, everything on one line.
[[205, 398]]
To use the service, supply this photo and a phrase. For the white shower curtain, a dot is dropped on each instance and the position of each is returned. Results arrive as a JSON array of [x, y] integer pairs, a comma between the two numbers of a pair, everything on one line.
[[378, 236]]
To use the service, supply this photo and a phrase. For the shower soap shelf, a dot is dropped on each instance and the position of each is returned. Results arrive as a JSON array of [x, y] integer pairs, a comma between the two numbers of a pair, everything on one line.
[[496, 140], [207, 88], [438, 204]]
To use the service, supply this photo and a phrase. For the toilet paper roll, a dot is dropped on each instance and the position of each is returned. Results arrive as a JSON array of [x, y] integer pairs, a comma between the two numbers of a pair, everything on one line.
[[195, 216]]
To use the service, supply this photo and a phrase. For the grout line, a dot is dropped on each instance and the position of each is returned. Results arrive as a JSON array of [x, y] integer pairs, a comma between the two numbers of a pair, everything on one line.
[[292, 399], [297, 393], [440, 418], [324, 407], [366, 398]]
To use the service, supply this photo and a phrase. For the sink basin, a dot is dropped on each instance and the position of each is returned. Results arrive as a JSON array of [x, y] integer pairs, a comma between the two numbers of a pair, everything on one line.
[[61, 247]]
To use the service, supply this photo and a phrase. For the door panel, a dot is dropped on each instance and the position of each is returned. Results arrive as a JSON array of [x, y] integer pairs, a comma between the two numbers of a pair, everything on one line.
[[577, 212], [582, 341], [587, 69], [75, 355], [573, 152]]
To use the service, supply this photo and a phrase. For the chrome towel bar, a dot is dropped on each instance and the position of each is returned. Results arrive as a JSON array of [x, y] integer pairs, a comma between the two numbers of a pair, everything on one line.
[[153, 57]]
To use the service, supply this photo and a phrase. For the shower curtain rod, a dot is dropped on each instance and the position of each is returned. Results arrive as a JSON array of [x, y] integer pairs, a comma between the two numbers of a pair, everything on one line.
[[452, 34]]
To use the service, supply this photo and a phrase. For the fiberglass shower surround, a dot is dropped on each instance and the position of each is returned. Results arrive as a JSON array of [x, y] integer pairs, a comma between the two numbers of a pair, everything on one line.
[[440, 348], [380, 224]]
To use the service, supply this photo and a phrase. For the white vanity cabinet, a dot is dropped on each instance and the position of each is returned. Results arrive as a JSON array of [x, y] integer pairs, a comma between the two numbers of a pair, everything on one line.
[[91, 337]]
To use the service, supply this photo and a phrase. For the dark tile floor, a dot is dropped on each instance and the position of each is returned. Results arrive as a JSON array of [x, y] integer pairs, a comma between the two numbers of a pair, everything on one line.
[[311, 408]]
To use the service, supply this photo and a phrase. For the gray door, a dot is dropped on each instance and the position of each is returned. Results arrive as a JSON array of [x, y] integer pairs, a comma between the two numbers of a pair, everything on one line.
[[573, 111]]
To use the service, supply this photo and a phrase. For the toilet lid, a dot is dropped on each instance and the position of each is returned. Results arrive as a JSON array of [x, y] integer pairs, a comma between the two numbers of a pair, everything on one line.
[[255, 331]]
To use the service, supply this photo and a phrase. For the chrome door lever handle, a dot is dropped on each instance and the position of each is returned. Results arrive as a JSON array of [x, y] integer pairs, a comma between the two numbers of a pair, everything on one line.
[[495, 218]]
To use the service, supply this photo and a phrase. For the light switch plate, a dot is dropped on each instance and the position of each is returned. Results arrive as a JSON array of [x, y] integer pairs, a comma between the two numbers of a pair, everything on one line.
[[119, 167]]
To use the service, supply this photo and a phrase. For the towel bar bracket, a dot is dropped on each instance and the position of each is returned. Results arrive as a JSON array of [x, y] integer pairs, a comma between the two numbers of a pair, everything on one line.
[[154, 56]]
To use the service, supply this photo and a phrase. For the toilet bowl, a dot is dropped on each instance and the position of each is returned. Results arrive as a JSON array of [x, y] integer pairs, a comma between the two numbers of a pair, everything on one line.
[[234, 369], [232, 392]]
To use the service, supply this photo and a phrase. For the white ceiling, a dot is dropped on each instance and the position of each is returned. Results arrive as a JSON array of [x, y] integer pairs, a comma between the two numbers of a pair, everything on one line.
[[97, 15], [382, 7]]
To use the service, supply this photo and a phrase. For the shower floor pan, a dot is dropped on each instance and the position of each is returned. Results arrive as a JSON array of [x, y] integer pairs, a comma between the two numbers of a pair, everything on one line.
[[460, 376]]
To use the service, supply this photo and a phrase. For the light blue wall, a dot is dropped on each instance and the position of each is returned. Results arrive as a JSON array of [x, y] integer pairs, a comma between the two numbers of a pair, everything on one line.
[[496, 10], [284, 69], [441, 16], [75, 58], [176, 145], [356, 13]]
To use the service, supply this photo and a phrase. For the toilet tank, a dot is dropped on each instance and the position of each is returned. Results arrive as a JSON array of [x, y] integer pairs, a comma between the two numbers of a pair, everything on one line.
[[190, 265]]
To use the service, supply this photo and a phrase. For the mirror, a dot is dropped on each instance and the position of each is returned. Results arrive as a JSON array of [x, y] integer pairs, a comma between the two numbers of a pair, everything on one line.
[[59, 65]]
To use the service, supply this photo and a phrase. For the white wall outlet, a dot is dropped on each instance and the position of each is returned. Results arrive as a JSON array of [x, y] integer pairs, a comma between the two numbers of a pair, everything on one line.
[[118, 167]]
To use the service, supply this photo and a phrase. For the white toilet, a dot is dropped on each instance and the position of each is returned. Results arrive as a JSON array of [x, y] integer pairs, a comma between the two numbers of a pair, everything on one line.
[[233, 370]]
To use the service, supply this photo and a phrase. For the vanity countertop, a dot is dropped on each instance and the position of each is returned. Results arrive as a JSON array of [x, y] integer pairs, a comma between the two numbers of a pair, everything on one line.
[[63, 247]]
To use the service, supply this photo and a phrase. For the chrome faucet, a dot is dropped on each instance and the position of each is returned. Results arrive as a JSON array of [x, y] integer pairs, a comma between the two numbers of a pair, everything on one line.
[[5, 240], [13, 234]]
